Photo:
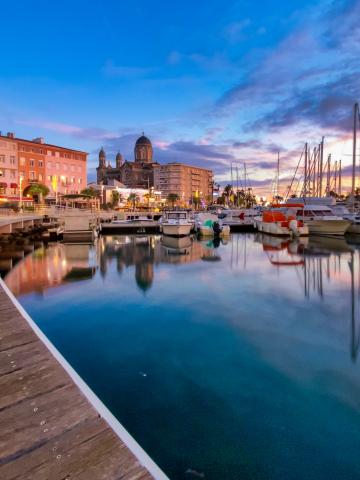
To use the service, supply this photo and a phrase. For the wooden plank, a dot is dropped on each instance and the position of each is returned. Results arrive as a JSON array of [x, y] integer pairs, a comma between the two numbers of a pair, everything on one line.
[[48, 429]]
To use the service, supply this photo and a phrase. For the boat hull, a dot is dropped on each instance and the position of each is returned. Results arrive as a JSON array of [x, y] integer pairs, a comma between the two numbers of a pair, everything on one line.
[[176, 230], [327, 227]]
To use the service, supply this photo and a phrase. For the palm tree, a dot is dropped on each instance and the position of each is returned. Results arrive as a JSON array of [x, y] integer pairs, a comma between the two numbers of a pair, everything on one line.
[[89, 192], [133, 198], [115, 198], [172, 198], [37, 190]]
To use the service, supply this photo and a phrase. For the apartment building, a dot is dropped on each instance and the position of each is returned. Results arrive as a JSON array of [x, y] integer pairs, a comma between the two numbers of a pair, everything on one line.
[[8, 168], [185, 180], [62, 170]]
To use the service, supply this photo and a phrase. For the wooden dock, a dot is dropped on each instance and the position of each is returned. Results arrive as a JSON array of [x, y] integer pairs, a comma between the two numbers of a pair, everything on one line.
[[52, 426]]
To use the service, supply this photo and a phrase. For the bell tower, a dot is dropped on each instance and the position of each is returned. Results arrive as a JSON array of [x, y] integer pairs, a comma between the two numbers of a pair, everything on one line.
[[119, 160], [102, 158]]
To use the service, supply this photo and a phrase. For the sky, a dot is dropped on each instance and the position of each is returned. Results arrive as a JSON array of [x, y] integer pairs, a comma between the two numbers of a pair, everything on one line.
[[210, 82]]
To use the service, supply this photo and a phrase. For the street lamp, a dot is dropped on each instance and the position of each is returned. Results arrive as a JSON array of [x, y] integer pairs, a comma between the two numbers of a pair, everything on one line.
[[20, 192]]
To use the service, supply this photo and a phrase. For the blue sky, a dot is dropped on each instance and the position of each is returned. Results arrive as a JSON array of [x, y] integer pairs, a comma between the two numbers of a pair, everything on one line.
[[210, 82]]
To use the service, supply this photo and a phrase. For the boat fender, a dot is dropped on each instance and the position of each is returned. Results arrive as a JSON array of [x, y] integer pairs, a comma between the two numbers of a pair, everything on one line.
[[293, 225], [216, 228]]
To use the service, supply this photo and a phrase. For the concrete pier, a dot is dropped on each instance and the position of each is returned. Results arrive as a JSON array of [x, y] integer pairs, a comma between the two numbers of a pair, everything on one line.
[[52, 426]]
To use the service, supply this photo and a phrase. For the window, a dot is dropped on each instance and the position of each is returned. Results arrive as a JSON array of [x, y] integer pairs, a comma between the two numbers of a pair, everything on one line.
[[65, 166], [49, 164], [2, 158], [32, 175], [12, 160], [22, 161], [41, 164], [73, 168], [22, 175], [49, 178], [57, 154], [12, 174], [79, 181], [57, 165], [72, 179], [40, 177], [2, 173], [48, 153], [32, 162]]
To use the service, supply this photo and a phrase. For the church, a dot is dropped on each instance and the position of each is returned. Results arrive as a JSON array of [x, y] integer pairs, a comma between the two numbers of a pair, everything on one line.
[[136, 174]]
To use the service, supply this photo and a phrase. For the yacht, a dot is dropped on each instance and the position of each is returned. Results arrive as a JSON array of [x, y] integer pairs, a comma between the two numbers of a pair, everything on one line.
[[353, 217], [321, 220], [209, 225], [176, 224]]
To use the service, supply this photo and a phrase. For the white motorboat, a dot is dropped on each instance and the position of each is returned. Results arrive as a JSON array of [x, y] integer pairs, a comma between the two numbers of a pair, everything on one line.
[[239, 216], [209, 225], [176, 224], [353, 217], [321, 220]]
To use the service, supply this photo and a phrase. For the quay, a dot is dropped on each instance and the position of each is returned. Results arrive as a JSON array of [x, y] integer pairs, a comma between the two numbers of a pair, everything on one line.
[[52, 426]]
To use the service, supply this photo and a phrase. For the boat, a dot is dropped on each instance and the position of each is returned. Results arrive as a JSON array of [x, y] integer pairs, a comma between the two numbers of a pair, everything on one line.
[[321, 220], [176, 224], [239, 218], [176, 246], [281, 221], [353, 217], [209, 225]]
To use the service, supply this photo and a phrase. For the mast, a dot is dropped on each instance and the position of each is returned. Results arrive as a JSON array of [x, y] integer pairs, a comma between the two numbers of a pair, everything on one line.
[[321, 166], [306, 170], [335, 175], [327, 191], [278, 174], [356, 109], [340, 177]]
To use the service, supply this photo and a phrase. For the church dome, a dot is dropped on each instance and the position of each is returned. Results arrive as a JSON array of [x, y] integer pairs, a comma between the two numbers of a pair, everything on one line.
[[142, 141]]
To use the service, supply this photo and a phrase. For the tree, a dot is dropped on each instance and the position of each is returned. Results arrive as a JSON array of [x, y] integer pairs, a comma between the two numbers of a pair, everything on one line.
[[37, 190], [90, 192], [115, 198], [133, 198], [172, 198], [196, 201]]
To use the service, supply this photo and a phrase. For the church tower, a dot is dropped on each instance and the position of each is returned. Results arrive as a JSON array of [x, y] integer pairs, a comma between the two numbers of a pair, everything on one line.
[[119, 160], [101, 169], [143, 150], [102, 158]]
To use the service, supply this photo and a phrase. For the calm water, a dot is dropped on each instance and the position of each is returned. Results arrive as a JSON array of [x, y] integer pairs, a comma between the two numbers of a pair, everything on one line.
[[230, 361]]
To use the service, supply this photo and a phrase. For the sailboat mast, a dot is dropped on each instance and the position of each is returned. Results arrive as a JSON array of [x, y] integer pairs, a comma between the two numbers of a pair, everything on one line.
[[306, 170], [356, 107], [321, 166], [278, 175], [340, 177]]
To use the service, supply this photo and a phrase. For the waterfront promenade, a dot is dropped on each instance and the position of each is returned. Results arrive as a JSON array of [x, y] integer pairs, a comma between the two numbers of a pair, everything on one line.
[[52, 426]]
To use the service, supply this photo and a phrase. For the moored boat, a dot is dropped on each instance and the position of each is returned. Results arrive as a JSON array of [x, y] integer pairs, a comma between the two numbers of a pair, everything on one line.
[[321, 220], [282, 222], [209, 225], [176, 224]]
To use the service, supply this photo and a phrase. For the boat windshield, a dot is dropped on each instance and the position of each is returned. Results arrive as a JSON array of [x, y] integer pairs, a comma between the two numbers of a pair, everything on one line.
[[176, 216], [317, 213]]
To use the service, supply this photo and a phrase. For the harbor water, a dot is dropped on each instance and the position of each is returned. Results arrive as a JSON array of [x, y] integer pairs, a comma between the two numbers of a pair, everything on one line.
[[231, 360]]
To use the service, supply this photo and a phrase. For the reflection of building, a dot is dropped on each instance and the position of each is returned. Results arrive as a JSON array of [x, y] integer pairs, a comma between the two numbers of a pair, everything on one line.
[[186, 181], [137, 174], [50, 267], [144, 253]]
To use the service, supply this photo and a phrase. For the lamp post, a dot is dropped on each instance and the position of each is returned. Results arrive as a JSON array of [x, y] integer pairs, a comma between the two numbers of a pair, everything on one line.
[[20, 192]]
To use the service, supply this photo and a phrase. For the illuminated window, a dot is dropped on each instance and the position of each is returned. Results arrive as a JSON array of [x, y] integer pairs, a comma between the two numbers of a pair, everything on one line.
[[32, 162], [22, 161], [2, 158], [12, 160]]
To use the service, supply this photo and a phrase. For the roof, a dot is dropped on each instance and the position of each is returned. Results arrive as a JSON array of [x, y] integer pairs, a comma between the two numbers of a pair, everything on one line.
[[143, 141], [16, 139]]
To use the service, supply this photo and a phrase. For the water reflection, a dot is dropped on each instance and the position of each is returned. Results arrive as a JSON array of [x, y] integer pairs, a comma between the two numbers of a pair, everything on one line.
[[248, 346]]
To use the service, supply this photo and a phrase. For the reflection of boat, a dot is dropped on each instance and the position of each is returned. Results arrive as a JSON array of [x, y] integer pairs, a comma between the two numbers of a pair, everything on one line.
[[176, 245], [325, 244], [176, 224], [209, 225], [283, 252]]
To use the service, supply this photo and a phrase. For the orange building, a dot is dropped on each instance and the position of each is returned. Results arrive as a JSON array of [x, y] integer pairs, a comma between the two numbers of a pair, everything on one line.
[[62, 170]]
